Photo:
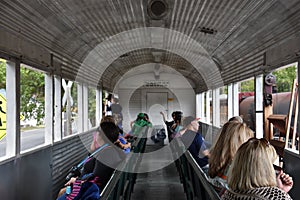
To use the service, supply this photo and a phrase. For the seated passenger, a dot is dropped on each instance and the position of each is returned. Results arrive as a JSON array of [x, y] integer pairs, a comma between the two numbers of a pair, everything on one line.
[[194, 142], [173, 126], [102, 165], [232, 135], [122, 142], [252, 175], [137, 125]]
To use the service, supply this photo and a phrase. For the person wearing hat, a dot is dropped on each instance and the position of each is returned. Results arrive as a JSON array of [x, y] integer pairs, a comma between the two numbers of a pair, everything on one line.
[[194, 142]]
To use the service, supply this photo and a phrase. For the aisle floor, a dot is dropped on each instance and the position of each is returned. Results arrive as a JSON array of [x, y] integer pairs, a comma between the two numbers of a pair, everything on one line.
[[162, 184]]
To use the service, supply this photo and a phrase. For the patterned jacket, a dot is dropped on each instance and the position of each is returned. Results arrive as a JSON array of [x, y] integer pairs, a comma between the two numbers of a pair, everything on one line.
[[261, 193]]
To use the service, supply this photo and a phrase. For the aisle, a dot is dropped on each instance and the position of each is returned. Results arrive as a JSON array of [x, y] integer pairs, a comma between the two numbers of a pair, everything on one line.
[[162, 184]]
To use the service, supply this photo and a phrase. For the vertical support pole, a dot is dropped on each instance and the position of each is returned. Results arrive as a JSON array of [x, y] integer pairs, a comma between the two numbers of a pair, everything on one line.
[[80, 107], [98, 106], [199, 107], [230, 101], [13, 135], [235, 99], [298, 76], [57, 109], [85, 107], [48, 109], [268, 110], [216, 107], [259, 107], [208, 107], [202, 106]]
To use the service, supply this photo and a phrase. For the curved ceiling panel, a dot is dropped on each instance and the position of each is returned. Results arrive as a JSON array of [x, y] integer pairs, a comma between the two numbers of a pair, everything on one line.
[[129, 60], [224, 41]]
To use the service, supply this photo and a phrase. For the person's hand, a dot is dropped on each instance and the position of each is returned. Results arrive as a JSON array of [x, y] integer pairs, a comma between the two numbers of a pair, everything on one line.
[[284, 181], [72, 180]]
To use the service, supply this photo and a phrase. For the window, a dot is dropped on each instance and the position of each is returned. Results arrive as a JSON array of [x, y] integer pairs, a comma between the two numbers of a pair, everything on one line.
[[92, 108], [3, 109], [69, 107], [32, 101]]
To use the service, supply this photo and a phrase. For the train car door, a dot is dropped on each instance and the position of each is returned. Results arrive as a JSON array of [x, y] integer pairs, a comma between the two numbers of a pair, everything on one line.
[[155, 103]]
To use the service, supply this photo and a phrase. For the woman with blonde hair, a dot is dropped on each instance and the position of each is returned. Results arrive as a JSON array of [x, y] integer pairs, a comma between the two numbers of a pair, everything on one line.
[[232, 136], [252, 174]]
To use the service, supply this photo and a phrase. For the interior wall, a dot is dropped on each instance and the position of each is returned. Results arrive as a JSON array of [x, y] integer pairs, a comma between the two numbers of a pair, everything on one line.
[[132, 95]]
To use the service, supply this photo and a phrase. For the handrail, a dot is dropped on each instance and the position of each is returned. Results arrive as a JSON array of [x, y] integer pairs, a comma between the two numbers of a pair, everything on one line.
[[114, 187], [194, 180], [202, 176]]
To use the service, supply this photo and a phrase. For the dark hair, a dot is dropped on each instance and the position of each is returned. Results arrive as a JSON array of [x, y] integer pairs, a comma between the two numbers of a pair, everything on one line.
[[110, 130], [146, 117], [178, 116], [109, 97]]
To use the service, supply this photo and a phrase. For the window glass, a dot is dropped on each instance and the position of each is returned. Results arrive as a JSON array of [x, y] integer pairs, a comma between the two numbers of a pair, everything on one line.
[[32, 87], [69, 107], [92, 107], [223, 105], [3, 110]]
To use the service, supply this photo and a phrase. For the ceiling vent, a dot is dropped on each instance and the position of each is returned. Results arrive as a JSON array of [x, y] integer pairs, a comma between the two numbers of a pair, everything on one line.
[[157, 9], [206, 30]]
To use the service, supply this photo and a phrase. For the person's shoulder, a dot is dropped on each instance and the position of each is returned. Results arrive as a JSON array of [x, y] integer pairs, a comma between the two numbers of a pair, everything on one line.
[[270, 193]]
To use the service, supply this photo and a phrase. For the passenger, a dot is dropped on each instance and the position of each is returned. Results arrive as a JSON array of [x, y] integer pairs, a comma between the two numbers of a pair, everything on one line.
[[194, 142], [116, 110], [102, 165], [137, 125], [252, 175], [236, 119], [232, 135], [107, 105], [122, 142], [173, 126]]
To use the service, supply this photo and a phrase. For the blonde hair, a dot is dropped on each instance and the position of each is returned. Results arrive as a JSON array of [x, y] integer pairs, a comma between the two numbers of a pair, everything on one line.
[[233, 134], [252, 166]]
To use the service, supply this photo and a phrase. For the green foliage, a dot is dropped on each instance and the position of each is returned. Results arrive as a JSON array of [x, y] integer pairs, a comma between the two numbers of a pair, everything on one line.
[[2, 74], [32, 94], [247, 86], [285, 78], [92, 106]]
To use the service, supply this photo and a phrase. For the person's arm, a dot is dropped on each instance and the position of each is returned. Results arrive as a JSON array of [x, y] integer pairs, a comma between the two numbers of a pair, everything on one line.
[[131, 123], [105, 107], [163, 115], [284, 181], [71, 181]]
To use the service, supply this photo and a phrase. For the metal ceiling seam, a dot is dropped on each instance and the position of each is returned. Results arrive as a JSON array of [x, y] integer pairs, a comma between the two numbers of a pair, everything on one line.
[[194, 20], [243, 61], [236, 26], [183, 8], [272, 42], [212, 10], [245, 71], [223, 14], [249, 44]]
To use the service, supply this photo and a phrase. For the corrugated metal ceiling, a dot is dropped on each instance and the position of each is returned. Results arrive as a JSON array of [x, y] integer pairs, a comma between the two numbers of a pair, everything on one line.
[[210, 42]]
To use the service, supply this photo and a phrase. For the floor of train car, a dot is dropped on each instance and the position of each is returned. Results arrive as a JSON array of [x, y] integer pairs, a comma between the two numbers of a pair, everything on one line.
[[161, 184]]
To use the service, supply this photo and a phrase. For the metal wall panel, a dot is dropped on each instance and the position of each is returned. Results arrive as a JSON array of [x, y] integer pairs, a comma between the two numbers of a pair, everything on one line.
[[66, 154]]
